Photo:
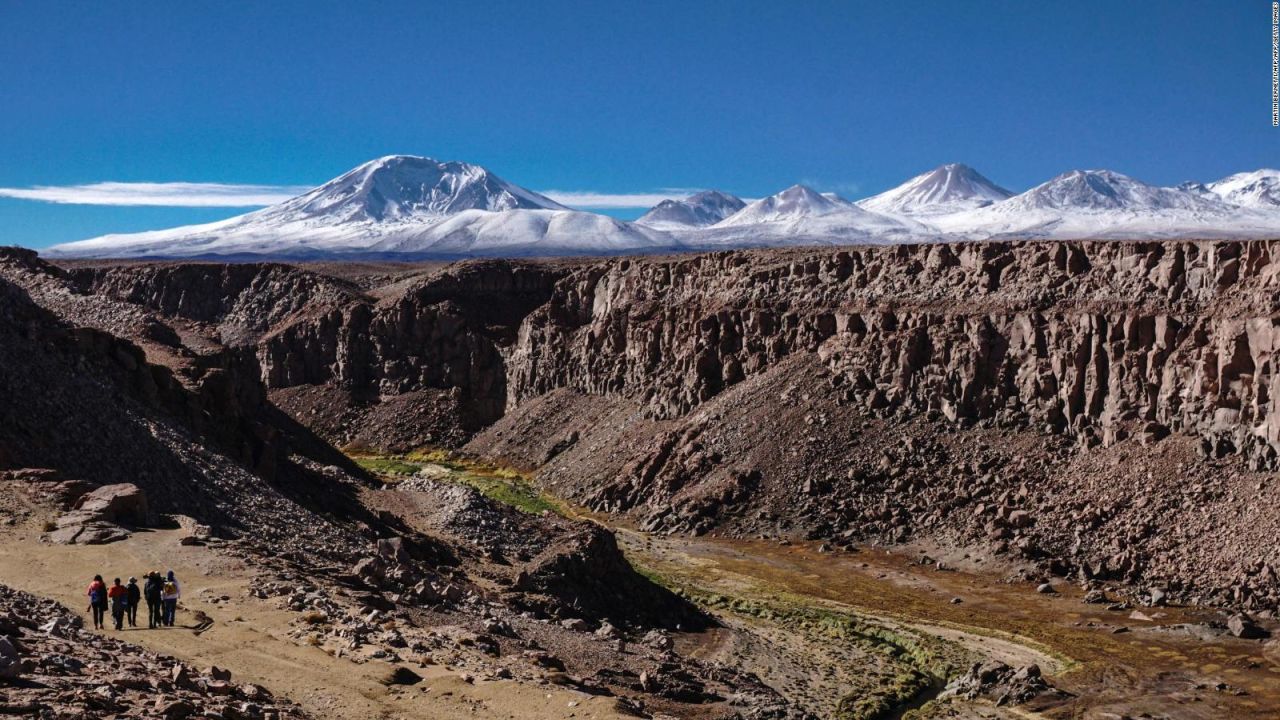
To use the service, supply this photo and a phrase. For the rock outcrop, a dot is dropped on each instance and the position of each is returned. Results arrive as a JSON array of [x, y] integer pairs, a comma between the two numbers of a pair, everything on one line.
[[198, 439], [102, 515]]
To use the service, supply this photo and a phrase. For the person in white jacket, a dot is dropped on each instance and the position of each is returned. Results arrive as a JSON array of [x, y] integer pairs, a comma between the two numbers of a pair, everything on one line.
[[169, 594]]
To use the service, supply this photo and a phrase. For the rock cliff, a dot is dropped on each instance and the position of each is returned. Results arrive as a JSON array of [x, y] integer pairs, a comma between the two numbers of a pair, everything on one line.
[[1102, 340]]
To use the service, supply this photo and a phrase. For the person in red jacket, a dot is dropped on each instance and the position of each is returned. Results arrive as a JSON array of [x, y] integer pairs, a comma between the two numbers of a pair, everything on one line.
[[97, 600], [119, 595]]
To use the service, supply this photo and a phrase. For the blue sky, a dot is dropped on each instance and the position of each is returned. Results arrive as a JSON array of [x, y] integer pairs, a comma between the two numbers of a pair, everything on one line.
[[614, 98]]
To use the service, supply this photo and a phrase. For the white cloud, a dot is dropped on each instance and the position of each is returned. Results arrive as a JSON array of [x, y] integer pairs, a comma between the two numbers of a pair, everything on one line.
[[588, 199], [187, 194], [173, 194]]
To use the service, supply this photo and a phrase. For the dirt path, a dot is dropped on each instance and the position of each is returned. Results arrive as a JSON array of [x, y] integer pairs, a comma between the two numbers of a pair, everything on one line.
[[250, 636]]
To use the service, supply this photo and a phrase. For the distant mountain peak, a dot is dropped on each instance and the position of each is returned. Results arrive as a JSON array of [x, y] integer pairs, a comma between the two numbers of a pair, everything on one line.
[[1104, 190], [1256, 188], [698, 210], [409, 187], [797, 201], [945, 189]]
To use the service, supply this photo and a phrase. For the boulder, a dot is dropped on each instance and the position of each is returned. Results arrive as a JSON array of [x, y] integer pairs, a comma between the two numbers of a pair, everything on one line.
[[100, 533], [10, 661], [401, 675], [1243, 626], [392, 551], [122, 503], [67, 492], [174, 709]]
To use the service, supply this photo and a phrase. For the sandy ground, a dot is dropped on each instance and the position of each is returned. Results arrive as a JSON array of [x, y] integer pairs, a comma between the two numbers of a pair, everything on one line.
[[250, 636]]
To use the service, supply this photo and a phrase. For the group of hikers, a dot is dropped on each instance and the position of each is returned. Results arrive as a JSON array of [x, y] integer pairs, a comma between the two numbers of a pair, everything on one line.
[[161, 594]]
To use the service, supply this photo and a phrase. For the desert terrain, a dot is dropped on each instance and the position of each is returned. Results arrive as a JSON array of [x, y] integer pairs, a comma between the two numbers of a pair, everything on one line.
[[953, 480]]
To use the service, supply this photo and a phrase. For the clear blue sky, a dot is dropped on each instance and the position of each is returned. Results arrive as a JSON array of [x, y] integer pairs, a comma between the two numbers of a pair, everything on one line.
[[748, 97]]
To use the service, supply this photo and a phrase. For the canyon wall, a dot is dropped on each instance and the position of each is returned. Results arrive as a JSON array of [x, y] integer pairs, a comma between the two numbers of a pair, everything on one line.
[[447, 333], [1101, 340], [242, 300]]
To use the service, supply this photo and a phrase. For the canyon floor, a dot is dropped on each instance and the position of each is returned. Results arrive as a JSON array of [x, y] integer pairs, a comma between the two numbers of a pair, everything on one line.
[[815, 624]]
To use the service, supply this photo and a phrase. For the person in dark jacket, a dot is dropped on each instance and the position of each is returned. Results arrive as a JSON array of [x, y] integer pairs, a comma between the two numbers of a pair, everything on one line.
[[97, 600], [135, 599], [151, 591]]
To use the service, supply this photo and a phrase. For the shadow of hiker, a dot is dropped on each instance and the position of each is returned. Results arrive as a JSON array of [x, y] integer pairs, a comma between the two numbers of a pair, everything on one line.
[[203, 622]]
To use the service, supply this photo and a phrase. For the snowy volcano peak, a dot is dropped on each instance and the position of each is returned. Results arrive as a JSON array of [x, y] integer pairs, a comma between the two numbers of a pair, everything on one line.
[[698, 210], [397, 196], [1259, 188], [797, 201], [407, 187], [1104, 190], [945, 189]]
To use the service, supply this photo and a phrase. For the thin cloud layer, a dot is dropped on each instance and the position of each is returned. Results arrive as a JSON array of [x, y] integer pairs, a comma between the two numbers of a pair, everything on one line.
[[187, 194], [173, 194]]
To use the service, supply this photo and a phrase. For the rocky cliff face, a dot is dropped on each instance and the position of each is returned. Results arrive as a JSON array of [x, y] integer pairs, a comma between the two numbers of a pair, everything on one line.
[[242, 301], [446, 336], [1100, 340], [324, 347]]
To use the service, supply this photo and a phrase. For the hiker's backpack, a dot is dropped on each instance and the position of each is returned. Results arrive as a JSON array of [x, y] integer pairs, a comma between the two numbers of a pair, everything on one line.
[[170, 588], [96, 596]]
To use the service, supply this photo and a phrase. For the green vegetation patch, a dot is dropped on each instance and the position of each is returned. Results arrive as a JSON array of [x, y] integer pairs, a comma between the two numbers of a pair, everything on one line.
[[385, 466], [499, 484], [519, 494]]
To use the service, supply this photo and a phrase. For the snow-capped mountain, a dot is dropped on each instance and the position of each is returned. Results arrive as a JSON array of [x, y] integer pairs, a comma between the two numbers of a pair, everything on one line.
[[1260, 188], [1103, 190], [943, 190], [407, 188], [418, 206], [800, 215], [1105, 204], [699, 210], [393, 202], [794, 203]]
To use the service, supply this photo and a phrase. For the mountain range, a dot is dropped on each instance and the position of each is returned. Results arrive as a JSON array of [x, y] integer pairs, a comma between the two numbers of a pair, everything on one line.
[[407, 206]]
